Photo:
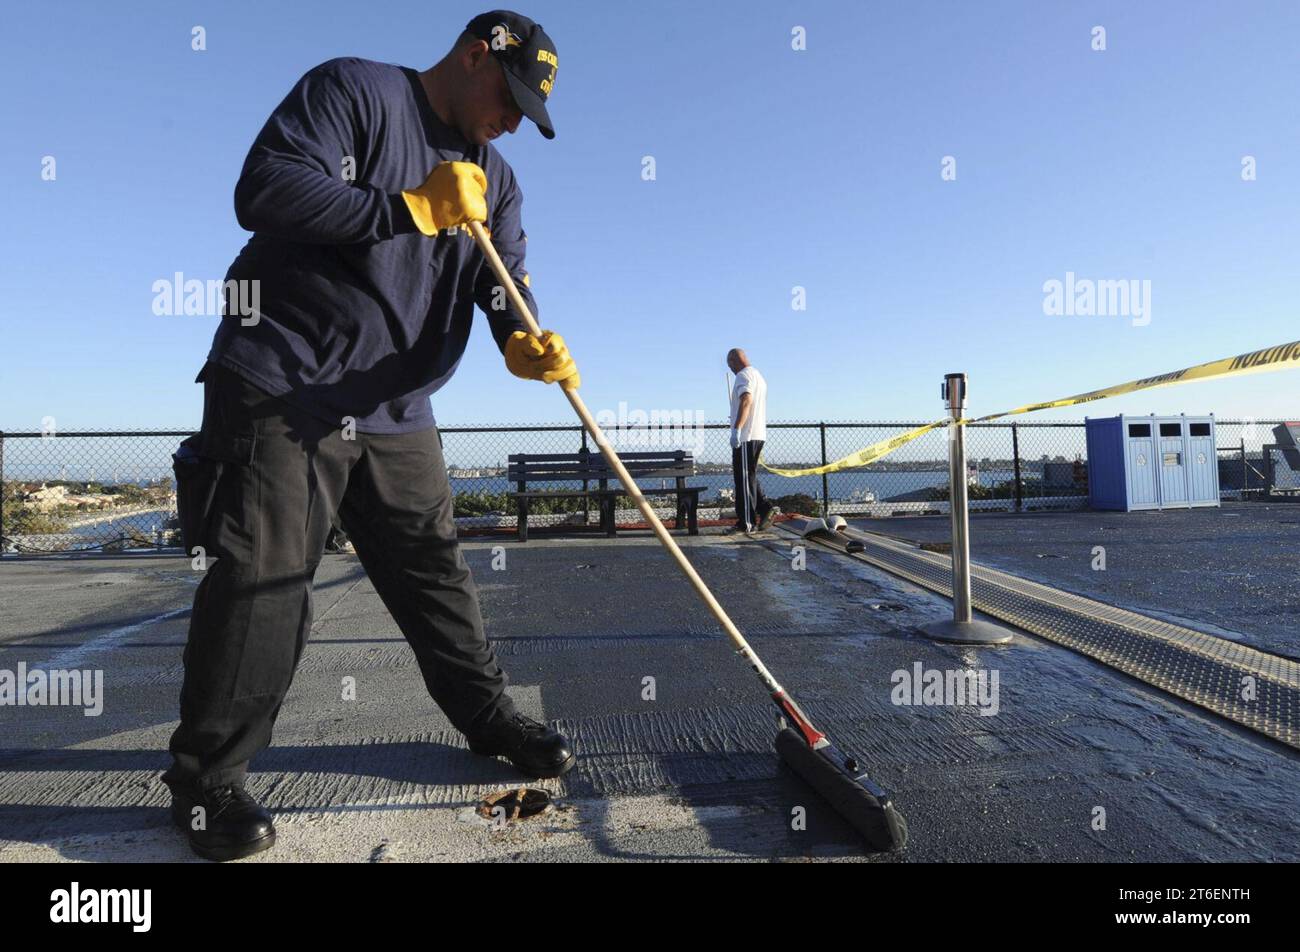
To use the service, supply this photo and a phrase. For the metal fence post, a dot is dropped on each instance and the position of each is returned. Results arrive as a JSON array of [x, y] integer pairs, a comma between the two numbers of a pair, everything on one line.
[[826, 492], [962, 629], [1015, 465], [1245, 473], [586, 500], [2, 492]]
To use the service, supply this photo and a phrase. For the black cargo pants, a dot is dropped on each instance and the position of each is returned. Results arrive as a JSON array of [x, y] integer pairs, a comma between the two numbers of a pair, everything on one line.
[[260, 496]]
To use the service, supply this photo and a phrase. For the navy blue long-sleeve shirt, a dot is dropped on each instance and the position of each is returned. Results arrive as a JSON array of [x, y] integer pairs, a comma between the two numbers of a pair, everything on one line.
[[358, 314]]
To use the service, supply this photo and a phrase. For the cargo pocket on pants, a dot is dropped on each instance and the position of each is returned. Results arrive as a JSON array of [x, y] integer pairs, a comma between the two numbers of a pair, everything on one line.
[[199, 464]]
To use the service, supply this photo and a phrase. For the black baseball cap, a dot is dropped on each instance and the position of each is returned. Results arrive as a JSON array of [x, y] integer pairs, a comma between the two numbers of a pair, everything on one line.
[[528, 57]]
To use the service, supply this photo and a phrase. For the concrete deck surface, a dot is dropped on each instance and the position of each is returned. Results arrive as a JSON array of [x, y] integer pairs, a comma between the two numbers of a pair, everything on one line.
[[579, 625]]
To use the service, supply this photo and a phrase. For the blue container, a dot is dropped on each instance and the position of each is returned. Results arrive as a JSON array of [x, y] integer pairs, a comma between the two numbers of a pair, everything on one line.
[[1152, 462]]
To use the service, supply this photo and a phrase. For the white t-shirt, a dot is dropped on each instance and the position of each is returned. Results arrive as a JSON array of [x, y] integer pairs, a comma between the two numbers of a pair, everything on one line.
[[749, 381]]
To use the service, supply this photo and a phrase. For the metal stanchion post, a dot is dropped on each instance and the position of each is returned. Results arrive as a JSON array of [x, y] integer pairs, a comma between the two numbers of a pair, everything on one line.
[[962, 629], [2, 491]]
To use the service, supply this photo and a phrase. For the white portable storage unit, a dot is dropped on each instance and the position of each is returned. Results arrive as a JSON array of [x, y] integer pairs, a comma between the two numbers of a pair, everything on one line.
[[1152, 462]]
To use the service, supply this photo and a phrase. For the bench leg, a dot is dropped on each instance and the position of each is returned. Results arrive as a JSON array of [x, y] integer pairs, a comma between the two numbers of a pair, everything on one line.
[[607, 514], [523, 520], [692, 516]]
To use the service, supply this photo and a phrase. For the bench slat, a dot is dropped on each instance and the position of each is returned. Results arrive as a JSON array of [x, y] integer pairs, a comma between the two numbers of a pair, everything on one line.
[[638, 454], [599, 493], [530, 468]]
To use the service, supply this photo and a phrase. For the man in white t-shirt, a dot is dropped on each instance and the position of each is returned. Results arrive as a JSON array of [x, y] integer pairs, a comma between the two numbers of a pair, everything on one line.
[[748, 432]]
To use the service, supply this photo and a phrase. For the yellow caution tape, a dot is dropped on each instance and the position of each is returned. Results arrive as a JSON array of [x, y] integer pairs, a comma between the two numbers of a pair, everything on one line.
[[1281, 357], [868, 454]]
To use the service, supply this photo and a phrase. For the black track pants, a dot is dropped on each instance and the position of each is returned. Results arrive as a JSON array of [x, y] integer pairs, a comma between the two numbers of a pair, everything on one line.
[[751, 504]]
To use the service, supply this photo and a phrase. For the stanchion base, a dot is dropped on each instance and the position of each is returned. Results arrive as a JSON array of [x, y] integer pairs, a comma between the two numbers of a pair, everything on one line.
[[974, 632]]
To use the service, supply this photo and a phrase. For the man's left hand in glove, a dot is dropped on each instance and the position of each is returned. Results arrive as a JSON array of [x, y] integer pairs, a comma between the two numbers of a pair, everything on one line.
[[542, 358]]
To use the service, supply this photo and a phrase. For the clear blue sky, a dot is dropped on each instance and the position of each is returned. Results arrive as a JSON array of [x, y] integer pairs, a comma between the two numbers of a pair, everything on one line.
[[775, 168]]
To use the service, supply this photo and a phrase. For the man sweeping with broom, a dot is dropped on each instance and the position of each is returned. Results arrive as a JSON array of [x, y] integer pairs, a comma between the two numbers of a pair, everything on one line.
[[318, 404]]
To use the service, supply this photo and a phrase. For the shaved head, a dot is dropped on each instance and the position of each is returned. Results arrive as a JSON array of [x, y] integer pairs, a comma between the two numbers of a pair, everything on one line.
[[737, 360]]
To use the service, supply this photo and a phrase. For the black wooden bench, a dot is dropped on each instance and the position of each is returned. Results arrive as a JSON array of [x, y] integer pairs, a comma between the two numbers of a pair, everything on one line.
[[589, 467]]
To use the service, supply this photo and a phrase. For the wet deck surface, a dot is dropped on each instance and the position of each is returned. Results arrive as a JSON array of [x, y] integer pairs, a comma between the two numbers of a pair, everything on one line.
[[580, 625], [1233, 570]]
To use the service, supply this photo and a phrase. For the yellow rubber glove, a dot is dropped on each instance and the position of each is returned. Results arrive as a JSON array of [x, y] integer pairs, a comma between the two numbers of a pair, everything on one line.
[[542, 358], [453, 194]]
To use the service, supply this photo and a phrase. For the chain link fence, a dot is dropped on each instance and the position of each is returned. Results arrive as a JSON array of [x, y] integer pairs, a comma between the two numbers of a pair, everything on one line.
[[1283, 472], [113, 490]]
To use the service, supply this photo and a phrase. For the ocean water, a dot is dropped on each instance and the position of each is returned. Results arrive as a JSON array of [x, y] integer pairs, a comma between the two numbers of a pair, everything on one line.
[[841, 485]]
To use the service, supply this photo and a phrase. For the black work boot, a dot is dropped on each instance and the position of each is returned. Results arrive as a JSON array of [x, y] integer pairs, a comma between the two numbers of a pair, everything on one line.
[[537, 750], [231, 825]]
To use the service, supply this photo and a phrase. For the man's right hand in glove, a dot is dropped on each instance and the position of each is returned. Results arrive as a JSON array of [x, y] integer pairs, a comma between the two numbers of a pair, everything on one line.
[[453, 194], [542, 358]]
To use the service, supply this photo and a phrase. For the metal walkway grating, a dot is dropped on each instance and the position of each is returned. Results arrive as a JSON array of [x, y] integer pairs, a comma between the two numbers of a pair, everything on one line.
[[1214, 673]]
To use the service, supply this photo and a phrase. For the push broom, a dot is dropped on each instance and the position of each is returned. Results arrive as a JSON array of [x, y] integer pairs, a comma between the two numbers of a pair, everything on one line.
[[837, 776]]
